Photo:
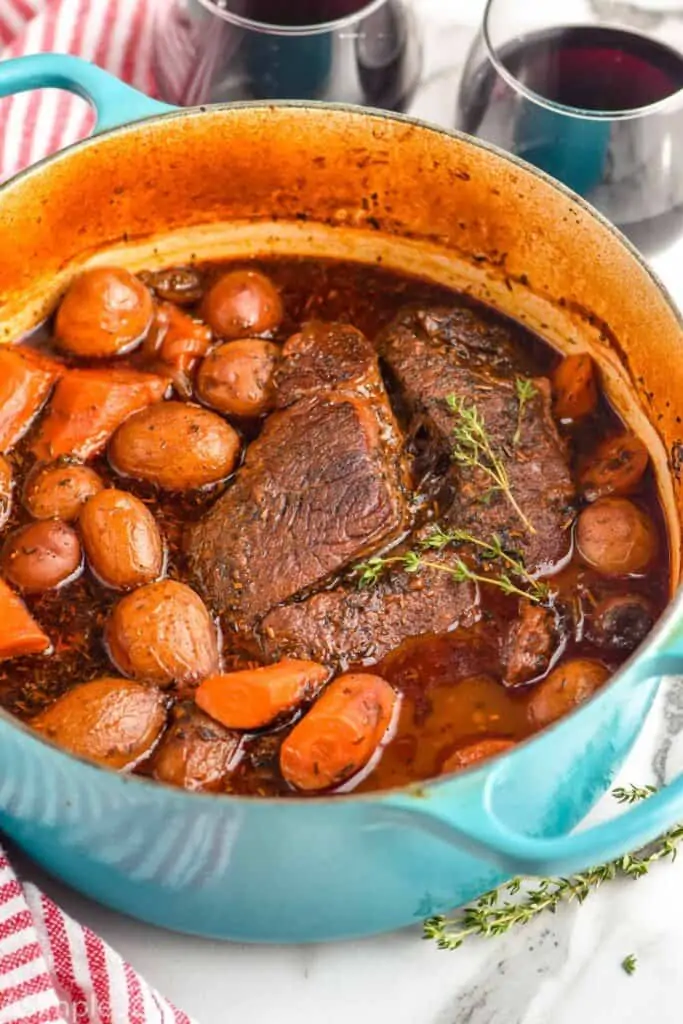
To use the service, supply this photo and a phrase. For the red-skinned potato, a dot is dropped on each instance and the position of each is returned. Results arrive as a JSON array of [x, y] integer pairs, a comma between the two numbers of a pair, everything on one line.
[[105, 312], [59, 490], [195, 753], [162, 633], [121, 539], [176, 446], [41, 556], [242, 303], [615, 537], [615, 468], [564, 689], [237, 378], [115, 722]]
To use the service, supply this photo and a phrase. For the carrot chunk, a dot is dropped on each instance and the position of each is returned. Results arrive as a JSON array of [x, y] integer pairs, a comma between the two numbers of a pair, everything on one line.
[[575, 388], [253, 698], [25, 383], [339, 735], [19, 631], [88, 406]]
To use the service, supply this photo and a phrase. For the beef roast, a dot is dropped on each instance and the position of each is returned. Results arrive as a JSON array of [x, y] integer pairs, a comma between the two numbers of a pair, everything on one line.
[[347, 626], [322, 486], [431, 357]]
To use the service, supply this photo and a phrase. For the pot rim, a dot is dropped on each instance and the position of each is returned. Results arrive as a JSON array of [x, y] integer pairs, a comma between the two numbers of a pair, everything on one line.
[[672, 613]]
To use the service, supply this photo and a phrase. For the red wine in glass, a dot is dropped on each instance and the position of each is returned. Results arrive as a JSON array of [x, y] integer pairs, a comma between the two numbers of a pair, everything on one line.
[[293, 12], [355, 51], [620, 140]]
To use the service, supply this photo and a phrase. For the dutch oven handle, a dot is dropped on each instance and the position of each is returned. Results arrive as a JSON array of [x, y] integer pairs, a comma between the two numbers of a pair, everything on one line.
[[480, 830], [115, 102]]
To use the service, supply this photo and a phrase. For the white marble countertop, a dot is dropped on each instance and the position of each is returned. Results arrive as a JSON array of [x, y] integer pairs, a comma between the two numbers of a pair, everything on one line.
[[556, 971]]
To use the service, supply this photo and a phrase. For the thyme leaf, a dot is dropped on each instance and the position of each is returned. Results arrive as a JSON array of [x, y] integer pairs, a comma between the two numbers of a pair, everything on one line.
[[473, 449], [525, 391], [629, 964]]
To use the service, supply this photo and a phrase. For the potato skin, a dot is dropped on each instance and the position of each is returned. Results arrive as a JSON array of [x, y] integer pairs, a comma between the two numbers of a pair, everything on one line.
[[59, 490], [176, 446], [6, 488], [121, 540], [195, 753], [615, 537], [105, 312], [242, 303], [41, 556], [564, 689], [162, 633], [115, 722], [237, 378]]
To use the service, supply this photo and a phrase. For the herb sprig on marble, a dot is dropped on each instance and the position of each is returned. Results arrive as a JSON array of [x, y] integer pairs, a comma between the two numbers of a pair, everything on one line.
[[516, 903]]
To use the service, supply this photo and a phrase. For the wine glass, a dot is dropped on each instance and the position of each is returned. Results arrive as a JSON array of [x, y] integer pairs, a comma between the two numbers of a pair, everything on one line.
[[592, 95], [354, 51]]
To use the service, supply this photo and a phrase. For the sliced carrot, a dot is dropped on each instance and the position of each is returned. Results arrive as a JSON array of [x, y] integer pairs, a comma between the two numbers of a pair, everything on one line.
[[482, 750], [575, 388], [88, 406], [19, 631], [25, 383], [339, 735], [176, 340], [253, 698], [615, 468]]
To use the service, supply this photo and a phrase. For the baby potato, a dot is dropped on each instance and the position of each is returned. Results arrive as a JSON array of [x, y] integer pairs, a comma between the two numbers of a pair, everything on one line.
[[112, 721], [196, 753], [615, 468], [242, 303], [176, 446], [6, 485], [615, 537], [121, 540], [237, 378], [41, 556], [621, 622], [105, 312], [59, 490], [162, 633], [564, 689]]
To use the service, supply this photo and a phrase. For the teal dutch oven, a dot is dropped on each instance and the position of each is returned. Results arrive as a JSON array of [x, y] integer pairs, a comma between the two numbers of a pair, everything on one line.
[[155, 186]]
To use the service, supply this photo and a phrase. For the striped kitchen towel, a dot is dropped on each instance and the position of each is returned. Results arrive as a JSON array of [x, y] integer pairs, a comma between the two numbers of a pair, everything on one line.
[[55, 970], [116, 34], [51, 968]]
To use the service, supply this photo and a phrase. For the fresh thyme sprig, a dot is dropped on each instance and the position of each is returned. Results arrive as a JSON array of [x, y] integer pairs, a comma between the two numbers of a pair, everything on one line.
[[494, 914], [370, 571], [525, 390], [492, 550], [473, 449]]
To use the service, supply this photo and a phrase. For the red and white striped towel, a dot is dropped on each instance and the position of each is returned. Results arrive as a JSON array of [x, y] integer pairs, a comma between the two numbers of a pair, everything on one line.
[[116, 34], [51, 968]]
